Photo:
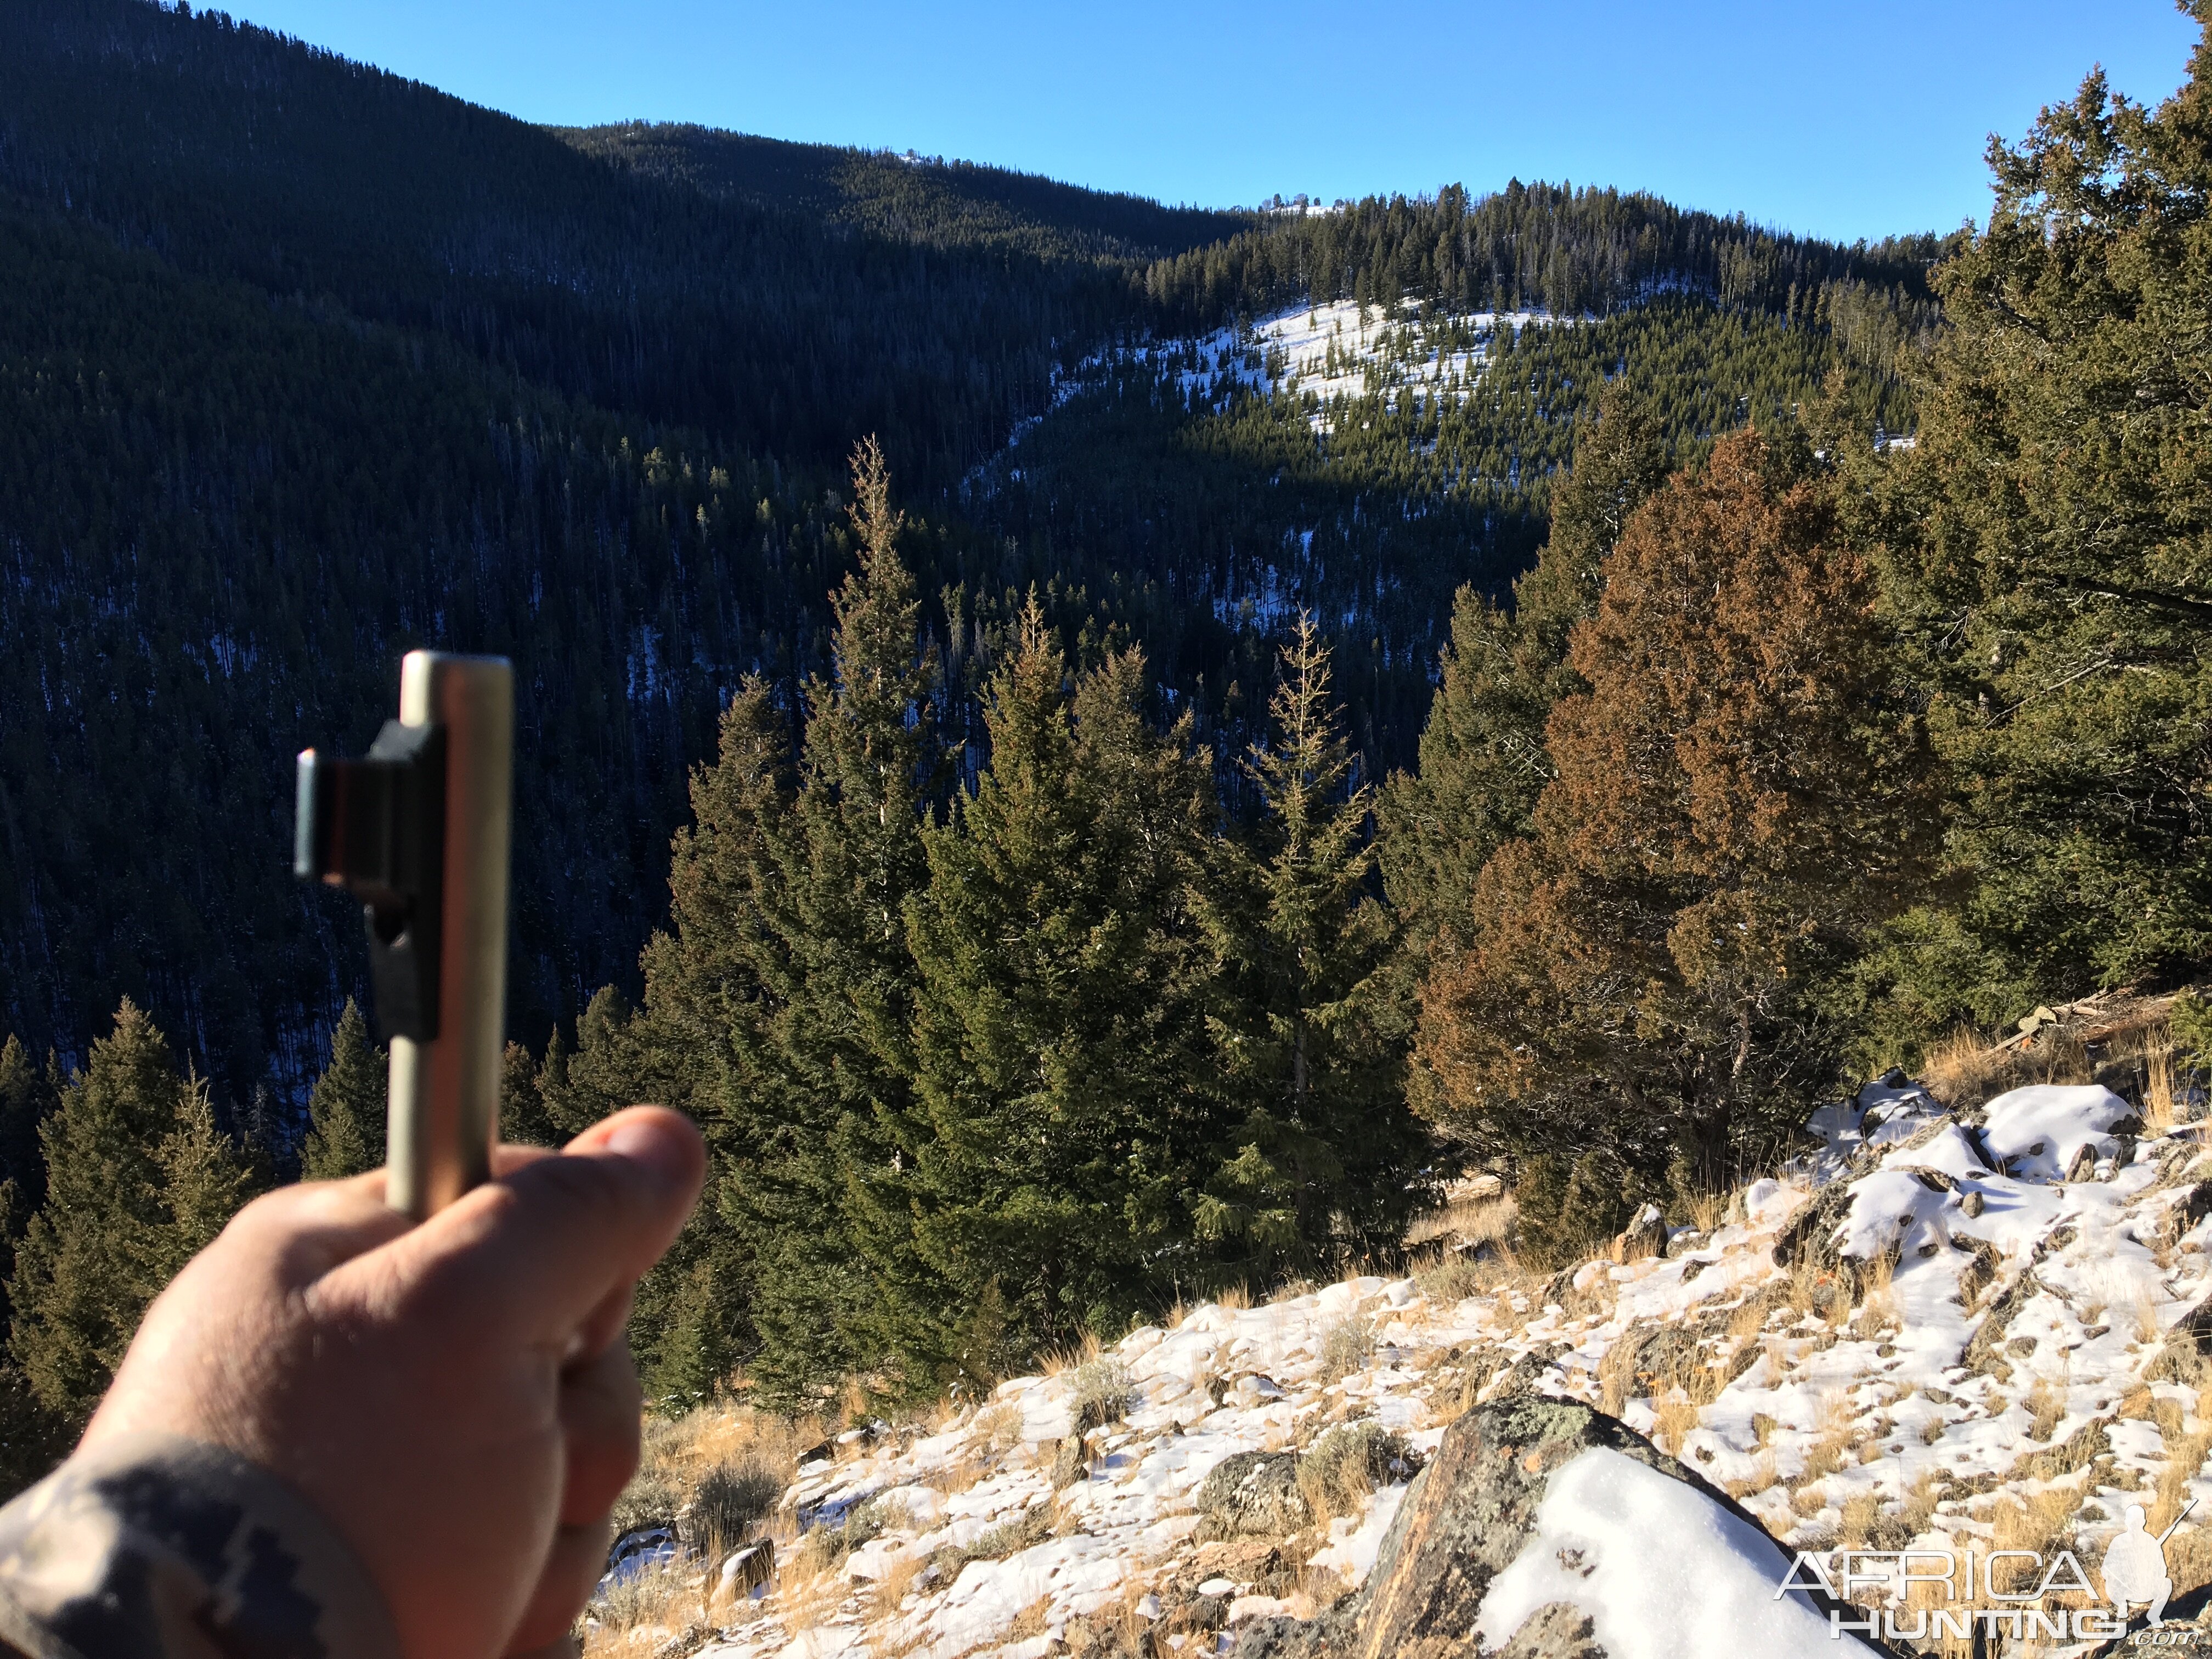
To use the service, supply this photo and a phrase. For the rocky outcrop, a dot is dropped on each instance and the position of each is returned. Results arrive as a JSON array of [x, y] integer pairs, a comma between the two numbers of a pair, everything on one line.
[[1440, 1584], [1253, 1492]]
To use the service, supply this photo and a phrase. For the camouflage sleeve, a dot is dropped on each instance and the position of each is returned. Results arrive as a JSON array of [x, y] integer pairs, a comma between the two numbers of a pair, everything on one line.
[[156, 1547]]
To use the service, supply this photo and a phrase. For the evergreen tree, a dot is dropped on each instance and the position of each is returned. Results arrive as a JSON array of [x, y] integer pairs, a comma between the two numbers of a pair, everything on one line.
[[1483, 757], [849, 854], [204, 1181], [82, 1271], [522, 1117], [1741, 798], [2048, 544], [25, 1098], [777, 1005], [346, 1112], [614, 1065], [1312, 1030], [718, 991], [1059, 1031]]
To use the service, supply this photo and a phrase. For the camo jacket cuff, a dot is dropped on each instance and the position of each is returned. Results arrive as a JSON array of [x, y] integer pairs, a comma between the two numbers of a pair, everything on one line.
[[159, 1547]]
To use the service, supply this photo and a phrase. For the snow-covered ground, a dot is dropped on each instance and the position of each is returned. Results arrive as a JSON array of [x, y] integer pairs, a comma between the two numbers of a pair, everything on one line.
[[1971, 1352], [1341, 350]]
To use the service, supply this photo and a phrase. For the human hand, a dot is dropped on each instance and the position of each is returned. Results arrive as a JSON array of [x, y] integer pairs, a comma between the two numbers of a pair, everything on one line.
[[454, 1398]]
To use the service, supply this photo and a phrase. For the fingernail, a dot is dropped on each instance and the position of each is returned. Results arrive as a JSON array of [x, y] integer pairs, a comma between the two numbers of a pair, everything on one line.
[[650, 1143]]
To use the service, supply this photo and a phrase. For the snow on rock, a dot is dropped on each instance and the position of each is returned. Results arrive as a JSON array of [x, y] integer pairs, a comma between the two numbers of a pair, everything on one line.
[[2037, 1132], [1662, 1572], [1989, 1313]]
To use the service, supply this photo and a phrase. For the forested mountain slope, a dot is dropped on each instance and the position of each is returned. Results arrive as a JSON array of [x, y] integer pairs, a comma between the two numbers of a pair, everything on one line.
[[234, 152], [912, 198], [220, 522], [306, 365]]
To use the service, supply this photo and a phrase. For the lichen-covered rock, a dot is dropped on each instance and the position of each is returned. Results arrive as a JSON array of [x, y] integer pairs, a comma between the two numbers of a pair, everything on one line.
[[1477, 1511], [1255, 1493]]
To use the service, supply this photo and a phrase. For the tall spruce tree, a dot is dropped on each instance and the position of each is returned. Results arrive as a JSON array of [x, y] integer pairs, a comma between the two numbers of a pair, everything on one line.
[[1741, 797], [718, 985], [25, 1098], [522, 1118], [82, 1271], [346, 1111], [780, 1001], [204, 1179], [613, 1065], [1058, 1035], [1312, 1027], [1482, 757]]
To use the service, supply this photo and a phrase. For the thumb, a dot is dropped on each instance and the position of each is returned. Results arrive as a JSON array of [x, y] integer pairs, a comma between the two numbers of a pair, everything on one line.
[[531, 1254]]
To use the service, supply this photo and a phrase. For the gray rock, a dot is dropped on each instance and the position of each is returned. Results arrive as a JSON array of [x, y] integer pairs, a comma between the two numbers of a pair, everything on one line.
[[1810, 1235], [1560, 1631], [1068, 1461], [1466, 1519], [1646, 1236], [1255, 1493], [747, 1569], [1981, 1354]]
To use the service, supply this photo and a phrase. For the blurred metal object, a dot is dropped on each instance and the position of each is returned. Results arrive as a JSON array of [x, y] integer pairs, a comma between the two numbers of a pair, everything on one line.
[[445, 1092], [420, 830]]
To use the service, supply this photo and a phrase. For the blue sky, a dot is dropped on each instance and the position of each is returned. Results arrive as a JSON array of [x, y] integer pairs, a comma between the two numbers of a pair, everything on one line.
[[1841, 121]]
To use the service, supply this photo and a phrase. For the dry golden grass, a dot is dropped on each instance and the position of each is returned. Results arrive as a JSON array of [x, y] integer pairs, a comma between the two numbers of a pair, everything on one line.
[[2184, 1456], [2046, 1405], [2041, 1522], [1746, 1322], [1861, 1515], [1000, 1427], [667, 1598], [1473, 1220], [2161, 1093], [1616, 1377], [1057, 1360], [1820, 1291], [682, 1451], [1674, 1414], [1237, 1298], [891, 1589], [683, 1458], [1030, 1621], [1877, 1316], [1831, 1449], [1339, 1471], [2142, 1316], [1762, 1476], [1961, 1070]]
